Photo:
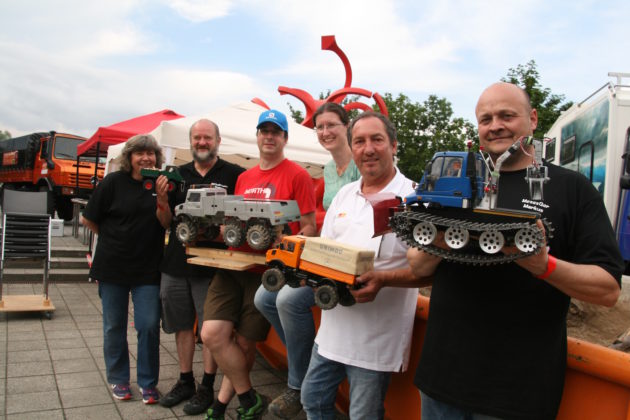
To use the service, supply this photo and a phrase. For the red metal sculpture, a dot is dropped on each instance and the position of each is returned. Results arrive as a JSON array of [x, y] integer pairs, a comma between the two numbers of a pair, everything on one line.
[[311, 104]]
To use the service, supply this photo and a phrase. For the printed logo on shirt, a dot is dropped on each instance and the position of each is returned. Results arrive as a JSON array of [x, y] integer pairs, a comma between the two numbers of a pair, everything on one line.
[[342, 214], [266, 191], [537, 206]]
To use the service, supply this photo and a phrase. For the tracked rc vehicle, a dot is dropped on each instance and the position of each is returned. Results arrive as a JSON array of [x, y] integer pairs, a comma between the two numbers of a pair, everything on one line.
[[457, 197]]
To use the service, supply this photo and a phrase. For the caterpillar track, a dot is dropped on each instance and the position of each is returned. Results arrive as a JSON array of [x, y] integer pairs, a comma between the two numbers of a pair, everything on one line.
[[475, 238]]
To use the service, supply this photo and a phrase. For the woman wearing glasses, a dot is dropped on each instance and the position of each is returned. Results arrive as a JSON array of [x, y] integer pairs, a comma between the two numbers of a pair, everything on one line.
[[331, 125]]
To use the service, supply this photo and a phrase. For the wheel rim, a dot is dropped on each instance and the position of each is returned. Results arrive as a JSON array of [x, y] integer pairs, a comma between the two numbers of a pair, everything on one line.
[[230, 236], [272, 280], [424, 233], [183, 233], [491, 241], [526, 239], [456, 237], [255, 238], [325, 297]]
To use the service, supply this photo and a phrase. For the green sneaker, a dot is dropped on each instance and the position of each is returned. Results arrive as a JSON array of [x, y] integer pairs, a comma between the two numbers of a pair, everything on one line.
[[211, 414], [253, 413]]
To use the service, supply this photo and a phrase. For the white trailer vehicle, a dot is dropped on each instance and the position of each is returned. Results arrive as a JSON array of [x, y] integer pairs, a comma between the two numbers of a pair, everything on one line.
[[593, 137]]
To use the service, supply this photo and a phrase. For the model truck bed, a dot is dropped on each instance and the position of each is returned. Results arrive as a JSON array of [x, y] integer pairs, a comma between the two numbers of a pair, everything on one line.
[[337, 256]]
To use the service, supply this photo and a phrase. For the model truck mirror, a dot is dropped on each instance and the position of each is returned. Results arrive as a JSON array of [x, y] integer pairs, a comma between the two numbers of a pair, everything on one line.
[[330, 267], [251, 220]]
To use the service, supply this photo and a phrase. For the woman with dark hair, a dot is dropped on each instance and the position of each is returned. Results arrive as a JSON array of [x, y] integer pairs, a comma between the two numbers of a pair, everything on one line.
[[331, 125], [130, 224]]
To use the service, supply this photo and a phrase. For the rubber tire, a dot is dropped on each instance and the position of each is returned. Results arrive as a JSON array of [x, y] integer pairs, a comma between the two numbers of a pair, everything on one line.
[[50, 199], [233, 234], [259, 237], [211, 232], [345, 297], [148, 184], [273, 279], [326, 296], [186, 231], [64, 208]]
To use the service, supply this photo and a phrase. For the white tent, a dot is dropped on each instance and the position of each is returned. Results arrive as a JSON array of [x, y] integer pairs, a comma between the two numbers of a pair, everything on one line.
[[237, 124]]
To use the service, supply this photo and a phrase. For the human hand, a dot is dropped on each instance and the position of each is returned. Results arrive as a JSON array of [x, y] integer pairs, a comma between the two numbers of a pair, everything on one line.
[[161, 190], [368, 284], [535, 264]]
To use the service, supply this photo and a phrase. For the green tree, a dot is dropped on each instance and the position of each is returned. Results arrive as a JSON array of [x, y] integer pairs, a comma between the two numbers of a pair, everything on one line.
[[4, 135], [548, 105], [424, 129]]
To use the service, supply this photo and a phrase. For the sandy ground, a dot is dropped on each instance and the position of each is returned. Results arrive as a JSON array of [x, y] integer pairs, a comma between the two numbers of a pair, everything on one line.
[[599, 324]]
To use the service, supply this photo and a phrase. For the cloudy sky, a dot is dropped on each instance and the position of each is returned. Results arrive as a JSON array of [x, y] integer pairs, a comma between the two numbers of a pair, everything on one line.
[[75, 65]]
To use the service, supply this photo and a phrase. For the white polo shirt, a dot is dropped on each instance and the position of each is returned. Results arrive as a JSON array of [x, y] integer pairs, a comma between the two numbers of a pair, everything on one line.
[[374, 335]]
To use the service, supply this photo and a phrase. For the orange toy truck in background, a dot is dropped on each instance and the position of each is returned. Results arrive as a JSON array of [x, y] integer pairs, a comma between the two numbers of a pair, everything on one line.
[[329, 266], [48, 162]]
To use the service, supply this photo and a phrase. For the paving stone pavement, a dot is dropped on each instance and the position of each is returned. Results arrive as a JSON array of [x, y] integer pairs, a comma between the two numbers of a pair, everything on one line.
[[54, 368]]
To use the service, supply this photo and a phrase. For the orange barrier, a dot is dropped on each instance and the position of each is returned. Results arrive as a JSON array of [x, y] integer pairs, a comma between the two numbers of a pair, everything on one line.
[[597, 381]]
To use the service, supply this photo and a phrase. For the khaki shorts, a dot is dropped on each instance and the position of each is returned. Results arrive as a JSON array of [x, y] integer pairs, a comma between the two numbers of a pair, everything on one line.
[[231, 298]]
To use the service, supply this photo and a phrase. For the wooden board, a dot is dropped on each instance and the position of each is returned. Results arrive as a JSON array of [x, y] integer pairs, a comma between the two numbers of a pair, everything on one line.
[[221, 258], [24, 303]]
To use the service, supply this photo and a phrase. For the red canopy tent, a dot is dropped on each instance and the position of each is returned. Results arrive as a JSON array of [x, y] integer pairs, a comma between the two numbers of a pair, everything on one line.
[[120, 132]]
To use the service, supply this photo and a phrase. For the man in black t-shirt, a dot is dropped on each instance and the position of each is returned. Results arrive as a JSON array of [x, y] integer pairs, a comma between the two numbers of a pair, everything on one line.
[[184, 286], [496, 339]]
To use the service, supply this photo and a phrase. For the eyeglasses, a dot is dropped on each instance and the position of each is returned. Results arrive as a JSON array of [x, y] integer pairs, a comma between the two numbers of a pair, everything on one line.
[[321, 128]]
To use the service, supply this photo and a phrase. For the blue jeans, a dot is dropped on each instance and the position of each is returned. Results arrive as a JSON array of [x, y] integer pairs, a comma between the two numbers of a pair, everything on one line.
[[436, 410], [289, 311], [319, 389], [146, 303]]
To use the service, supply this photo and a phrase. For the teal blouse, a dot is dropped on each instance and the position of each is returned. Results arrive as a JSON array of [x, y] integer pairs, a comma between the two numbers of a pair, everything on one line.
[[333, 182]]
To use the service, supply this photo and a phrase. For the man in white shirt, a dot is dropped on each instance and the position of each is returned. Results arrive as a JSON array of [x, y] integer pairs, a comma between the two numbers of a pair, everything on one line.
[[368, 341]]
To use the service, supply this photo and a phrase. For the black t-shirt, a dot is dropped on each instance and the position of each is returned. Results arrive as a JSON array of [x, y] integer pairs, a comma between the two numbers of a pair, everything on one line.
[[496, 336], [174, 262], [130, 239]]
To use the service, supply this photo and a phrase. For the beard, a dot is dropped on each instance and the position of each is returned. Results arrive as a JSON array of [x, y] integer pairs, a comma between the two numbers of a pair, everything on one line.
[[205, 155]]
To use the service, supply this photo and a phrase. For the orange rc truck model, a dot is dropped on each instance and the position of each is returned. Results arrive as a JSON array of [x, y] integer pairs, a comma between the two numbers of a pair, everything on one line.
[[329, 266]]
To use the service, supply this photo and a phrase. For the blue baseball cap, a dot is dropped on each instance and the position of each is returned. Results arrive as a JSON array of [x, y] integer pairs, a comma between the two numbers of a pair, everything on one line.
[[273, 116]]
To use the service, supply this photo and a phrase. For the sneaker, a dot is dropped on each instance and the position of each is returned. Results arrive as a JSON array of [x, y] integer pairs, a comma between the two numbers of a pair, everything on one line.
[[287, 405], [253, 413], [181, 391], [201, 401], [211, 414], [121, 391], [150, 395]]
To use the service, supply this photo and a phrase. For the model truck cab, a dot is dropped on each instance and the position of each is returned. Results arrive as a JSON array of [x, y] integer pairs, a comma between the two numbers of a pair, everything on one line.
[[452, 179]]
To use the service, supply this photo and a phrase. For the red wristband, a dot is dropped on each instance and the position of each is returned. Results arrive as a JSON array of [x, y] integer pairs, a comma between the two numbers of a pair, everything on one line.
[[551, 267]]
